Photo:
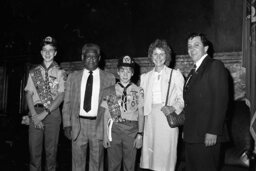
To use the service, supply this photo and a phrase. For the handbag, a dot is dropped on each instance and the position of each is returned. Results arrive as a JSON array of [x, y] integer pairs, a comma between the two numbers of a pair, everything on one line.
[[173, 119]]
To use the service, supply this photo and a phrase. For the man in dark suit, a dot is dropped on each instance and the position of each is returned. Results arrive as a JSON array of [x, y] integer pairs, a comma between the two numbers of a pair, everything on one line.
[[82, 119], [206, 101]]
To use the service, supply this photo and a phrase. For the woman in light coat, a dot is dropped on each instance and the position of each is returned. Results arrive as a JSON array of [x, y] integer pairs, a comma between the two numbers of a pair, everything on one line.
[[159, 151]]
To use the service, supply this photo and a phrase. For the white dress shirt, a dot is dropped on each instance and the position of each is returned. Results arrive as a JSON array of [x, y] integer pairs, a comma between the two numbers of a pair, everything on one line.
[[156, 88], [95, 93], [199, 62]]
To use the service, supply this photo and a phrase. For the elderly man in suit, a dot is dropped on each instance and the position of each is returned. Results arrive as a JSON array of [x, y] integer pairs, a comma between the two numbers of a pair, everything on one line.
[[206, 101], [82, 121]]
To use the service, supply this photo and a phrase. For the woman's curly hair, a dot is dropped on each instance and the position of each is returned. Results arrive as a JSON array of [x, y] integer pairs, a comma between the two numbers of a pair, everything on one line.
[[161, 44]]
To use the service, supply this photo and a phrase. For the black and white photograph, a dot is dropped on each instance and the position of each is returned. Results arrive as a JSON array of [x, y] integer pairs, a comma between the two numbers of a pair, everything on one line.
[[126, 85]]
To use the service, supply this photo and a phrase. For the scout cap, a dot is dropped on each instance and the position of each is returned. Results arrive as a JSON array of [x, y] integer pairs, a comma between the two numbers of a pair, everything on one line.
[[49, 41], [126, 61]]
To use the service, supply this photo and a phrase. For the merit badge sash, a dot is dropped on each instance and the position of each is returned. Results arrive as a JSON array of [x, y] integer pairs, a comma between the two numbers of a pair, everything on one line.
[[112, 102], [42, 87], [114, 109]]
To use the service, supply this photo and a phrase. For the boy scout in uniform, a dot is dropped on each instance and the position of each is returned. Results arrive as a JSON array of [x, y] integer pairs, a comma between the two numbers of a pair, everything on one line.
[[123, 118], [45, 92]]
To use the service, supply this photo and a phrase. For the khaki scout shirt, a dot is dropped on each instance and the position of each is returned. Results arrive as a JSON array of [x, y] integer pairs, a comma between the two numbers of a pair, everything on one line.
[[56, 82], [133, 102]]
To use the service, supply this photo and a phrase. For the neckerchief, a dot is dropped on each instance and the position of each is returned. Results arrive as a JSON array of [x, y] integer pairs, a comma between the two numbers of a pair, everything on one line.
[[124, 96]]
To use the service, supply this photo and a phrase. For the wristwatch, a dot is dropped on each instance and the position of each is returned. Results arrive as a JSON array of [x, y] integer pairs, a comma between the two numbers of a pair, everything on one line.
[[48, 111], [140, 133]]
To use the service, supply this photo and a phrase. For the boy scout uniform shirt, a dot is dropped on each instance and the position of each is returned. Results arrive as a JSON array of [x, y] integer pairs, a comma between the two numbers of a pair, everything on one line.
[[55, 79], [134, 100]]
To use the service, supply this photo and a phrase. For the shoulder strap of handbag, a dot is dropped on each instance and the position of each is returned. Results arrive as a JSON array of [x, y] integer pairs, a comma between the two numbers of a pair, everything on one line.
[[169, 84]]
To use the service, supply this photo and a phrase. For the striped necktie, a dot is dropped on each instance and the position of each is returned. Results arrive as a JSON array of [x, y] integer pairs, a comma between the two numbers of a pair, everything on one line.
[[190, 74]]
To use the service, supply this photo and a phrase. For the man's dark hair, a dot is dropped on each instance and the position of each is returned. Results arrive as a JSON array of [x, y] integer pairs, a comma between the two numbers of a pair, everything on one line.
[[203, 37], [91, 46]]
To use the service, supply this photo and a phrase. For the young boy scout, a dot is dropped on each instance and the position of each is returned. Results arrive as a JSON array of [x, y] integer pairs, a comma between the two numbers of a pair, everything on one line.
[[123, 118], [45, 92]]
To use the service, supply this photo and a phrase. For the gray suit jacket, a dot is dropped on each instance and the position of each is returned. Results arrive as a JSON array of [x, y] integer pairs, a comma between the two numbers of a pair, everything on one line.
[[71, 105]]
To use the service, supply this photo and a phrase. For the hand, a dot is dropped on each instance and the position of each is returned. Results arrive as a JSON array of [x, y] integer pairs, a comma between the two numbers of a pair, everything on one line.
[[67, 132], [210, 139], [39, 117], [25, 120], [39, 125], [138, 141], [106, 142], [167, 110]]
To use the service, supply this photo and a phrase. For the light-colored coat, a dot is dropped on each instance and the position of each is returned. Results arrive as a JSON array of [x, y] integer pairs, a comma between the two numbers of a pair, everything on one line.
[[175, 98], [159, 151], [71, 105]]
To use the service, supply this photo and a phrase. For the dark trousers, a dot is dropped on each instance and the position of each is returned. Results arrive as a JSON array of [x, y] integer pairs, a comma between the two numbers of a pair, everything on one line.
[[87, 137], [122, 147], [202, 158], [48, 137]]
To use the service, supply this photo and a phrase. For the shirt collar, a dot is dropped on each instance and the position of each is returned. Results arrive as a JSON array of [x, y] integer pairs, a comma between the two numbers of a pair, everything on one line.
[[53, 64], [159, 73], [96, 71], [199, 62]]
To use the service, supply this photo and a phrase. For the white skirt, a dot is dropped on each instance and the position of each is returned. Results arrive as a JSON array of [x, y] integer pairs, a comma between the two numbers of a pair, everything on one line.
[[159, 150]]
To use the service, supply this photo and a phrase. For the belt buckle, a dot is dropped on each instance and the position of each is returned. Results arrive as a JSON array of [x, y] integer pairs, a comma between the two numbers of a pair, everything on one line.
[[120, 120]]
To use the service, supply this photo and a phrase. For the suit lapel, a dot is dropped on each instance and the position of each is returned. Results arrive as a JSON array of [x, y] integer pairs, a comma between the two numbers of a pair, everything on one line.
[[103, 83], [78, 80], [148, 93], [199, 72], [149, 84], [78, 83]]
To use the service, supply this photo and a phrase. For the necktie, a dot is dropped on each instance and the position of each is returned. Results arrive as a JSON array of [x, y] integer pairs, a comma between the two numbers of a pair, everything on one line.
[[124, 96], [191, 74], [88, 93]]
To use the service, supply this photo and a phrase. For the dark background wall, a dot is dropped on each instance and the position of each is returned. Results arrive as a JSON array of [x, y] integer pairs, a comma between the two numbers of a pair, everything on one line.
[[119, 26]]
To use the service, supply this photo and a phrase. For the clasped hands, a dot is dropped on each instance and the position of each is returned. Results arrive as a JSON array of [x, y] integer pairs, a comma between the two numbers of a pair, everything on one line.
[[36, 120]]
